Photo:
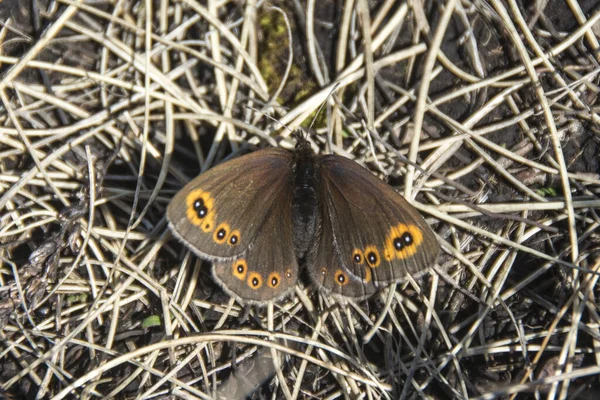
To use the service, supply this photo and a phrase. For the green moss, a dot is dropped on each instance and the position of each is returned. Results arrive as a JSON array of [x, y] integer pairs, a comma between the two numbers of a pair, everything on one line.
[[273, 56], [547, 192], [151, 321]]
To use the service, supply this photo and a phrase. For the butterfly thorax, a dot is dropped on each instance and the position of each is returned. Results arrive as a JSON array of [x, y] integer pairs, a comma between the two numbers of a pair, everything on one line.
[[305, 206]]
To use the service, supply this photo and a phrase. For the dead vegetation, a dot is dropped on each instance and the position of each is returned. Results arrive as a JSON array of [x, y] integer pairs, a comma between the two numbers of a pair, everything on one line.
[[482, 113]]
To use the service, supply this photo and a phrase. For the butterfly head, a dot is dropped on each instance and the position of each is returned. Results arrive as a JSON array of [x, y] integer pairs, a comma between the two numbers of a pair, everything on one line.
[[302, 143]]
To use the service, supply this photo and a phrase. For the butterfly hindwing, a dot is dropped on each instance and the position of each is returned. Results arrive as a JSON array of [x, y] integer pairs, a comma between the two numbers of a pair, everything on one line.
[[268, 269], [326, 268]]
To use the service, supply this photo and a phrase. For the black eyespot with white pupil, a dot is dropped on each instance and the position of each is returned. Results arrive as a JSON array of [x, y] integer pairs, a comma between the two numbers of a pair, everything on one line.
[[274, 281], [341, 278], [233, 239], [221, 234], [240, 268], [255, 282], [372, 257], [405, 240], [357, 258], [200, 208], [398, 244]]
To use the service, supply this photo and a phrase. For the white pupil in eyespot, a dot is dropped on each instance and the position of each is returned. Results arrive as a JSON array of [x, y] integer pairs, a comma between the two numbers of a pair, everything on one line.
[[405, 240], [200, 208], [398, 244]]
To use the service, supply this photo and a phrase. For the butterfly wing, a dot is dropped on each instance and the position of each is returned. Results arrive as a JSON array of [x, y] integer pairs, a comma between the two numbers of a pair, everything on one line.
[[238, 214], [219, 213], [268, 269], [378, 236], [326, 268]]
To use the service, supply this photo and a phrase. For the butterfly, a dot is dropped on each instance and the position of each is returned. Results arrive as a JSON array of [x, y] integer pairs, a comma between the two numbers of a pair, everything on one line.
[[262, 216]]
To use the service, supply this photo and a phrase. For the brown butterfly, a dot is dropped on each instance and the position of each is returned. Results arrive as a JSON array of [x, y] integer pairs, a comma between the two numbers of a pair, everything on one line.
[[260, 216]]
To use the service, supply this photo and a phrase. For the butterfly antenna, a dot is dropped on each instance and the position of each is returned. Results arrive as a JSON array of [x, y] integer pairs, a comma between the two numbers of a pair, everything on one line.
[[333, 89], [269, 117]]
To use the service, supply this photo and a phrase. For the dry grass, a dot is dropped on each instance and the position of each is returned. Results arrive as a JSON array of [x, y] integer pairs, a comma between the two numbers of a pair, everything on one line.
[[486, 110]]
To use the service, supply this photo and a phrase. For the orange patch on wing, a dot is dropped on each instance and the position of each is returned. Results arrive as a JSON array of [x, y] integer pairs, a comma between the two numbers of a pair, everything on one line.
[[240, 268], [288, 273], [372, 256], [194, 215], [358, 256], [341, 278], [255, 280], [407, 249], [387, 255], [234, 238], [274, 280], [221, 234], [209, 224]]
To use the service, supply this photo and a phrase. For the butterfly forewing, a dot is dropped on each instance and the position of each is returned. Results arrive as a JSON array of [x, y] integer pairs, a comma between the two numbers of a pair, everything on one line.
[[219, 213]]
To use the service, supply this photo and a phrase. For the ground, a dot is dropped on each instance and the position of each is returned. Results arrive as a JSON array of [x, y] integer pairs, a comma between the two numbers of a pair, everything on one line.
[[482, 114]]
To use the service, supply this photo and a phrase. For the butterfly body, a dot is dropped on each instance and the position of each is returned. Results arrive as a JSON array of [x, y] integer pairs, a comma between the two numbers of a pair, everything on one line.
[[306, 219], [261, 216]]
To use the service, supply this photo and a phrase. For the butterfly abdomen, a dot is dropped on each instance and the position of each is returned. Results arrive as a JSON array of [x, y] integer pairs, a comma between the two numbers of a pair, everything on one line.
[[305, 205]]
